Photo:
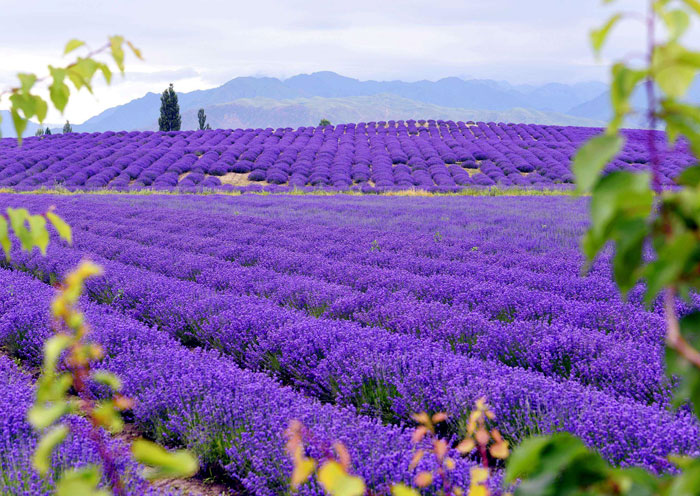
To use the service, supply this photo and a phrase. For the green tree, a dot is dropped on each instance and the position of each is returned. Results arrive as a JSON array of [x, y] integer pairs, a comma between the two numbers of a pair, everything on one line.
[[324, 122], [47, 131], [39, 131], [170, 119], [67, 128], [202, 118]]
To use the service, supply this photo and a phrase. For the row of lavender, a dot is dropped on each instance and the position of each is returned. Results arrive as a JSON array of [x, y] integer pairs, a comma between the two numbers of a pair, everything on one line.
[[231, 418], [433, 155], [382, 307]]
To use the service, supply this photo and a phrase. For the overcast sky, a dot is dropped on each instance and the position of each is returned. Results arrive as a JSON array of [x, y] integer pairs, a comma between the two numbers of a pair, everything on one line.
[[202, 44]]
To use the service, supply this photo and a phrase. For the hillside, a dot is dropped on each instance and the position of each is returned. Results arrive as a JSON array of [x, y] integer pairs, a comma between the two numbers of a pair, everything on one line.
[[249, 102]]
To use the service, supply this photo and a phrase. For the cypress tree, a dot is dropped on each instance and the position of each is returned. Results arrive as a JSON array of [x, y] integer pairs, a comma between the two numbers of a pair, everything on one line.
[[48, 131], [39, 132], [67, 128], [202, 118], [170, 119]]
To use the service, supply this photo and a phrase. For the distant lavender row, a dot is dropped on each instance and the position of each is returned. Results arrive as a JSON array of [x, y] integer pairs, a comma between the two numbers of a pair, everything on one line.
[[433, 155]]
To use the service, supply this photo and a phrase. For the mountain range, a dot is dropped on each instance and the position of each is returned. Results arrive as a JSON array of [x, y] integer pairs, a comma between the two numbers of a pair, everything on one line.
[[304, 99]]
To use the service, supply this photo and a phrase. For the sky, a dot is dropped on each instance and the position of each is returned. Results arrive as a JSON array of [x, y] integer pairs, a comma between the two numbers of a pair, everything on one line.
[[202, 44]]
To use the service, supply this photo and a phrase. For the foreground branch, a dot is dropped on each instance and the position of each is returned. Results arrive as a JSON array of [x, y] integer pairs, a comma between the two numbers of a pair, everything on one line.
[[674, 339]]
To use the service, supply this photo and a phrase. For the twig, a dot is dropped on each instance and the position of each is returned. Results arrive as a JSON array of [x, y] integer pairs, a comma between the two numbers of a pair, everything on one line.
[[651, 101], [69, 66], [673, 330]]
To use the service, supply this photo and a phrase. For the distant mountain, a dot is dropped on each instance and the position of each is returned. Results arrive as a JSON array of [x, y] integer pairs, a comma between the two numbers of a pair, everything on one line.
[[599, 108], [7, 128], [267, 112], [475, 95]]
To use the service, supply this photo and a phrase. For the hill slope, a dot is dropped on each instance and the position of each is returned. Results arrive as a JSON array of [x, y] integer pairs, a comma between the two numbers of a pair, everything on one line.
[[477, 95]]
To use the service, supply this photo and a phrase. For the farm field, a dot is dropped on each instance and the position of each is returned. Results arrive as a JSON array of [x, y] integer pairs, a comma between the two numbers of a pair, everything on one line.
[[228, 316], [374, 156]]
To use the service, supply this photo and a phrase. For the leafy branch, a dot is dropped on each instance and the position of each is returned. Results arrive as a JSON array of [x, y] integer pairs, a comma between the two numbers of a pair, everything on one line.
[[25, 105], [656, 235]]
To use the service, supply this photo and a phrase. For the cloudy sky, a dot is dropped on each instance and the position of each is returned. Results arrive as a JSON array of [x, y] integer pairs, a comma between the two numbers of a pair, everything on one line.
[[202, 44]]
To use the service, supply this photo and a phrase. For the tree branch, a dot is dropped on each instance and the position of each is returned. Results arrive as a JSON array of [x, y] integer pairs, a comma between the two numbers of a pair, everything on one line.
[[674, 339]]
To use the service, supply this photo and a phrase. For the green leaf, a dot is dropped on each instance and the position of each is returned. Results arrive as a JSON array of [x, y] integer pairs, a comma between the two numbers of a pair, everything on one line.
[[677, 21], [18, 217], [106, 72], [525, 458], [598, 36], [624, 81], [618, 198], [72, 45], [116, 44], [41, 107], [135, 50], [19, 123], [676, 80], [41, 460], [108, 416], [688, 376], [5, 240], [674, 257], [337, 482], [403, 490], [555, 465], [82, 481], [58, 90], [689, 177], [81, 73], [688, 483], [26, 81], [40, 236], [593, 157], [163, 463], [62, 228], [108, 379], [630, 235], [672, 75], [693, 4], [41, 417], [53, 347]]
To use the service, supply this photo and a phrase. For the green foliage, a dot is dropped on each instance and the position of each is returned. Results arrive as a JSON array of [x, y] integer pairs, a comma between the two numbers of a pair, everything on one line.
[[82, 481], [562, 465], [30, 229], [68, 355], [169, 119], [202, 118], [633, 212], [47, 132], [25, 104], [161, 463], [324, 122], [67, 128]]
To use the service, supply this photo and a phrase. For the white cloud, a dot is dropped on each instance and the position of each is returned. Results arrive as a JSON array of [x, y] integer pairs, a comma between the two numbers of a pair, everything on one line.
[[202, 44]]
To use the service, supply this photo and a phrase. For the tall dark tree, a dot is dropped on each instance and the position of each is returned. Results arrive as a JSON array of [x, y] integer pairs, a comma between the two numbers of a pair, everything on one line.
[[67, 128], [202, 118], [170, 119], [48, 131]]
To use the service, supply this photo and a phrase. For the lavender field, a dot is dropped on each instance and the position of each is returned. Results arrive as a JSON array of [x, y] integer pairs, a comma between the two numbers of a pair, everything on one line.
[[368, 157], [228, 316]]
